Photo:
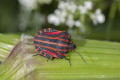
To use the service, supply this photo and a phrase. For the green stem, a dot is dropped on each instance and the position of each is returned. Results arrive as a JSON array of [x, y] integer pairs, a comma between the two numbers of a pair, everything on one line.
[[110, 20]]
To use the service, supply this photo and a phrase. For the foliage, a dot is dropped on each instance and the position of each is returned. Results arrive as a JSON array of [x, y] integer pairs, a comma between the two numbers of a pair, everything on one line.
[[102, 59]]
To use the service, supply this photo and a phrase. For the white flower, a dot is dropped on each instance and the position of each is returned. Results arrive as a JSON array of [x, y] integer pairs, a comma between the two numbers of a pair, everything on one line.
[[70, 21], [88, 5], [61, 5], [58, 17], [60, 13], [98, 17], [72, 7], [98, 11], [83, 9], [54, 19], [57, 12], [77, 23], [28, 4]]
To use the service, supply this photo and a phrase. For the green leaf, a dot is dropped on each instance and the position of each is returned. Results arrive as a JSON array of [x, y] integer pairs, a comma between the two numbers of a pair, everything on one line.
[[102, 59]]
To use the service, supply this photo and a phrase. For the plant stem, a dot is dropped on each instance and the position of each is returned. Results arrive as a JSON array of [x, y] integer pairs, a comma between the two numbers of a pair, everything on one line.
[[110, 20]]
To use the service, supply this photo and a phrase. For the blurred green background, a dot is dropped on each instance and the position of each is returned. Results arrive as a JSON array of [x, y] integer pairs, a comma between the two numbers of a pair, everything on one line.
[[93, 19]]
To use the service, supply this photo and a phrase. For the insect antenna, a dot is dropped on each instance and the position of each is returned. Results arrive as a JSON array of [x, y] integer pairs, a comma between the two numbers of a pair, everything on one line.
[[81, 57], [68, 60]]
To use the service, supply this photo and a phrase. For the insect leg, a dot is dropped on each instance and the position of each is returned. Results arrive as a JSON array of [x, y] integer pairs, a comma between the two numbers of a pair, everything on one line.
[[68, 60], [52, 58], [35, 54], [47, 60]]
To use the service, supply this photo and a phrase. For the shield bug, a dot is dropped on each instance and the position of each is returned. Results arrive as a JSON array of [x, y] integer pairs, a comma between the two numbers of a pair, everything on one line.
[[52, 43]]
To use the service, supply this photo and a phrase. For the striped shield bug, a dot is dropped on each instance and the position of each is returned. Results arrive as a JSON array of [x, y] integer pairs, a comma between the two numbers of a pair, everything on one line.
[[52, 43]]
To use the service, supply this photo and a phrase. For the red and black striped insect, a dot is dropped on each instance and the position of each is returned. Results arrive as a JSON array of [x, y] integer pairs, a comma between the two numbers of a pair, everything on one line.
[[52, 43]]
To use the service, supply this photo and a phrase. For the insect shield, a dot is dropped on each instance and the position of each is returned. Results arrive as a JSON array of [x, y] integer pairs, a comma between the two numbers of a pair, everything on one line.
[[51, 43]]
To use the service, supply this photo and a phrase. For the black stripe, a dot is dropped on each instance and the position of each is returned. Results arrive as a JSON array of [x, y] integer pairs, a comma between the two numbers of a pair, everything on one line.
[[63, 42], [50, 35], [51, 40], [39, 50], [48, 55], [46, 44], [36, 47], [43, 48], [66, 38], [46, 39], [72, 46], [51, 45], [63, 52], [60, 56], [64, 33]]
